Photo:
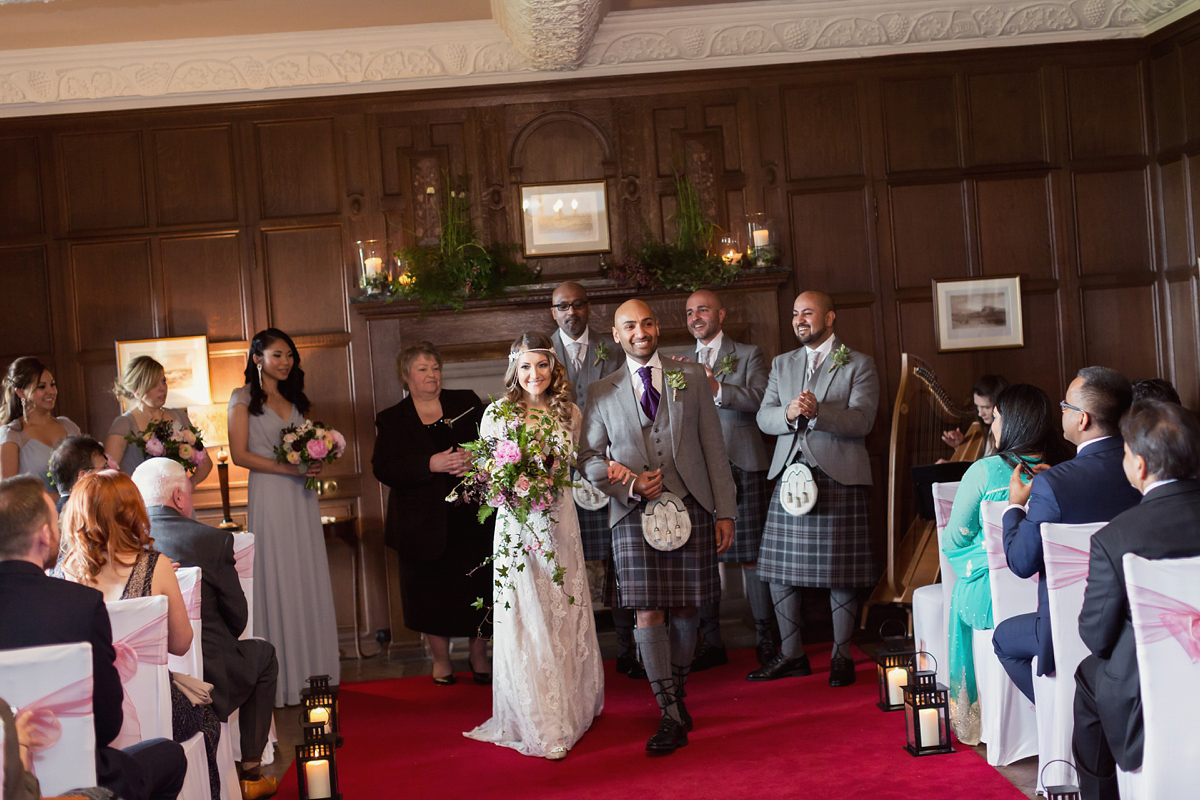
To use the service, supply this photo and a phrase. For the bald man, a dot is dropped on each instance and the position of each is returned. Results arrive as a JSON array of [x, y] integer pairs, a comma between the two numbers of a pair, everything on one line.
[[588, 358], [737, 378], [820, 402], [663, 427]]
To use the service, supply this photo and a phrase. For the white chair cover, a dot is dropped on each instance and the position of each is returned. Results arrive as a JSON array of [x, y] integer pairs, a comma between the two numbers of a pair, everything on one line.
[[139, 629], [929, 625], [243, 554], [56, 682], [191, 662], [1008, 724], [943, 502], [1166, 626], [1066, 551]]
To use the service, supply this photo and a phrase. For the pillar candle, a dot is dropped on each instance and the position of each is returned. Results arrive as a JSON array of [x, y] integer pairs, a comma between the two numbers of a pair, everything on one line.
[[897, 679], [319, 714], [928, 718], [762, 238], [373, 265], [316, 777]]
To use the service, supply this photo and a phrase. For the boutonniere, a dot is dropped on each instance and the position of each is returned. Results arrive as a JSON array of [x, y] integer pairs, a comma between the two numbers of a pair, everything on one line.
[[601, 353], [728, 364], [675, 380], [841, 357]]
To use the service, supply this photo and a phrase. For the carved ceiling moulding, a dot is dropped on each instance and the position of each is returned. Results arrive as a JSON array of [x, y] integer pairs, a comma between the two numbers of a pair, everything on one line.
[[236, 69]]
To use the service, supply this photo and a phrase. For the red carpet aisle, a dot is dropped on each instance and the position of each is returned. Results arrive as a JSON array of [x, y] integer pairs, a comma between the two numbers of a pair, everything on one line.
[[794, 737]]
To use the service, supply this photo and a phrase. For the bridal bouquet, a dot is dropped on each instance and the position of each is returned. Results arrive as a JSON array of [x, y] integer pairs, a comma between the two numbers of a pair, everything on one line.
[[309, 444], [524, 472], [164, 438]]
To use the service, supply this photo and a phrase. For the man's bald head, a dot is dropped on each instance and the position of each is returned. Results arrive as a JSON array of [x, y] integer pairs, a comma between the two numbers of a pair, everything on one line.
[[635, 328], [812, 318], [569, 307], [704, 315]]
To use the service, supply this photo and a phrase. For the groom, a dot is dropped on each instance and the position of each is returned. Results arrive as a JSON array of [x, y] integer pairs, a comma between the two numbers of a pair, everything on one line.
[[665, 428]]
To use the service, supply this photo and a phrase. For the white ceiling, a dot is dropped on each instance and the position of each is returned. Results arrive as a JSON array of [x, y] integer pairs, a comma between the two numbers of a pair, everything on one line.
[[88, 55]]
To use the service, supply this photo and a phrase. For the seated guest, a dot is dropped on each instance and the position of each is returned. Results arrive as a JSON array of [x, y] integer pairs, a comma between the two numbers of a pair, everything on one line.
[[107, 545], [1023, 424], [1155, 389], [1162, 457], [243, 672], [1091, 487], [75, 457], [987, 389], [38, 610]]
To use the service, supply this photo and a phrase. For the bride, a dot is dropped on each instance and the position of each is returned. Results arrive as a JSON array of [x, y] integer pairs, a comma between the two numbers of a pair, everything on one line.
[[548, 682]]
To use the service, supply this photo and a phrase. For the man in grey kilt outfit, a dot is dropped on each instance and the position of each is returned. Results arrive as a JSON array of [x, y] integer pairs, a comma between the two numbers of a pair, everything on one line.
[[820, 402], [588, 358], [664, 428], [737, 376]]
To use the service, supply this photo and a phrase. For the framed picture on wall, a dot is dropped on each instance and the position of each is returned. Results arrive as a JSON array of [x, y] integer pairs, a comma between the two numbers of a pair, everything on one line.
[[564, 218], [185, 360], [978, 313]]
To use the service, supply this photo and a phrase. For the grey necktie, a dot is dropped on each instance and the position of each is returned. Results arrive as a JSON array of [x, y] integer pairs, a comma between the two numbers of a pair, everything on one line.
[[813, 357], [704, 356], [576, 355]]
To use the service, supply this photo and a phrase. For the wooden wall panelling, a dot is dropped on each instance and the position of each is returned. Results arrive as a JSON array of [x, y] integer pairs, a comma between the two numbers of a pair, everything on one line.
[[306, 279], [21, 177], [1105, 104], [194, 175], [26, 324], [824, 134], [204, 285], [1040, 361], [1013, 218], [1189, 56], [1184, 312], [921, 122], [929, 233], [114, 294], [1173, 199], [1167, 95], [1006, 118], [831, 239], [1121, 330], [297, 168], [103, 180], [1113, 222]]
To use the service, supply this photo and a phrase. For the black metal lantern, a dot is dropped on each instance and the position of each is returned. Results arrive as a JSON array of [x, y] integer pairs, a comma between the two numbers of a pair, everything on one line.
[[319, 704], [316, 764], [927, 715], [1065, 791], [895, 661]]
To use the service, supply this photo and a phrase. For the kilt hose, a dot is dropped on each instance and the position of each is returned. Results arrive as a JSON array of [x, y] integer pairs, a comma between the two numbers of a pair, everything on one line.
[[829, 547], [752, 499], [651, 579]]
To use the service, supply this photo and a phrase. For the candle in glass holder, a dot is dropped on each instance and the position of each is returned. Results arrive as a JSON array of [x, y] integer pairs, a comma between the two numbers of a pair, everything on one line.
[[929, 726], [373, 266], [733, 257], [897, 679], [316, 777], [319, 714], [762, 238]]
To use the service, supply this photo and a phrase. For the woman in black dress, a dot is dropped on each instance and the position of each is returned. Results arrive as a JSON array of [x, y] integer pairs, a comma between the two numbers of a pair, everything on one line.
[[417, 455]]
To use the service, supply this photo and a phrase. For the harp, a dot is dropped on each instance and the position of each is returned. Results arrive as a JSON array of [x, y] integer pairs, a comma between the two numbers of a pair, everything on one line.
[[922, 411]]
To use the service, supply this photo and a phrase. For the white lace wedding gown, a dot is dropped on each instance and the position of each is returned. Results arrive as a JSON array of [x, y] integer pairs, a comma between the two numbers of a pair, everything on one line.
[[548, 682]]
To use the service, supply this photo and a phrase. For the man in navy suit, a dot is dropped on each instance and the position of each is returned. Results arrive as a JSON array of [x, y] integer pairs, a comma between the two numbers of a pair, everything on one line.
[[1162, 456], [37, 610], [1089, 488]]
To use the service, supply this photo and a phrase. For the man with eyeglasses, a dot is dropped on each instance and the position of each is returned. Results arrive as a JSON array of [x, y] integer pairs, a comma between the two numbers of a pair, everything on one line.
[[588, 359], [1089, 488]]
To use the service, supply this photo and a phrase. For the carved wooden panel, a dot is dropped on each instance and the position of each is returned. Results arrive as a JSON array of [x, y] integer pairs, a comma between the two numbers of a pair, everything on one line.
[[1172, 182], [928, 233], [1105, 109], [1133, 311], [561, 150], [1168, 100], [113, 294], [703, 162], [665, 122], [202, 280], [327, 384], [297, 163], [307, 287], [102, 406], [394, 140], [1006, 117], [824, 138], [917, 335], [1043, 329], [21, 197], [1194, 183], [831, 240], [103, 180], [1112, 221], [25, 325], [1185, 335], [1189, 70], [1014, 226], [725, 118], [193, 169], [921, 123]]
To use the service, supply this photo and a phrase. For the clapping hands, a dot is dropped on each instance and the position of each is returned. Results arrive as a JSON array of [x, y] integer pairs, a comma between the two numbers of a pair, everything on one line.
[[452, 461]]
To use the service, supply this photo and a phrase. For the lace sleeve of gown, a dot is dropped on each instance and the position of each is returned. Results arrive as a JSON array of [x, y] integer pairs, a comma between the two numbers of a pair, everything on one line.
[[489, 426]]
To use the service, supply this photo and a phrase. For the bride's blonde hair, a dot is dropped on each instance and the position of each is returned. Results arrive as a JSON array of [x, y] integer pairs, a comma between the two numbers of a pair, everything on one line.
[[558, 394]]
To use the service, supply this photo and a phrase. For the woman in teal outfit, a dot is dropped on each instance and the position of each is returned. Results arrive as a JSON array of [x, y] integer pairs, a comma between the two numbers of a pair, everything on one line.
[[1024, 427]]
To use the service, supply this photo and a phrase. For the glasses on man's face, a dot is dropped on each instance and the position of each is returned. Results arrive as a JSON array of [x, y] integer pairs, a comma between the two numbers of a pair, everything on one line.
[[1064, 405], [578, 305]]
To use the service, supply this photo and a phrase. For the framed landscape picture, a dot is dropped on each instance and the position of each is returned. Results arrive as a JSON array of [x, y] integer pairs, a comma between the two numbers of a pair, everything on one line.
[[978, 313], [185, 360], [564, 218]]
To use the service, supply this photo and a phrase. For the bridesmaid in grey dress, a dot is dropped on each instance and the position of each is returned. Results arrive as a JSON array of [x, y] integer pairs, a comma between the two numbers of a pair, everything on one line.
[[29, 430], [293, 597]]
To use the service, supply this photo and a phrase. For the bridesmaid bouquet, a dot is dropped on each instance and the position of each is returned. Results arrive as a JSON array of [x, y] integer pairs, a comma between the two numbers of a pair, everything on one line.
[[523, 472], [308, 444], [165, 438]]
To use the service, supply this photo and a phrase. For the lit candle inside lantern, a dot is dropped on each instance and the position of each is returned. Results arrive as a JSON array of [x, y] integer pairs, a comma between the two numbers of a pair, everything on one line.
[[929, 726], [316, 776], [319, 714], [762, 238], [373, 266], [733, 257], [897, 679]]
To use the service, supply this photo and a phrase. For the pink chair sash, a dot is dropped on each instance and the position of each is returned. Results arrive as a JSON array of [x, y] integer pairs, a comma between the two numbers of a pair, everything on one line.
[[993, 544], [1071, 563], [942, 508], [244, 559], [191, 599], [72, 700], [146, 645], [1167, 616]]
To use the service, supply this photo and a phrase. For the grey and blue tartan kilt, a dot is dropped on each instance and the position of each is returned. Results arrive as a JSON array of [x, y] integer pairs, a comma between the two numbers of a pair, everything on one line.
[[596, 534], [830, 546], [653, 579], [752, 499]]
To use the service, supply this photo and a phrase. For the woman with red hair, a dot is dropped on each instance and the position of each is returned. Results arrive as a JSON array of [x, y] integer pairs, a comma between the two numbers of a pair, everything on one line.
[[107, 545]]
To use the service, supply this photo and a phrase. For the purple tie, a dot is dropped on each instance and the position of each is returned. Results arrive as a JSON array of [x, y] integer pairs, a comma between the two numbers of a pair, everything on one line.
[[650, 394]]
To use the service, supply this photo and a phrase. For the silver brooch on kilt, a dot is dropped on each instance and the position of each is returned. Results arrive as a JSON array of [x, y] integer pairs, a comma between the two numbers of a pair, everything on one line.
[[797, 489], [665, 522], [588, 497]]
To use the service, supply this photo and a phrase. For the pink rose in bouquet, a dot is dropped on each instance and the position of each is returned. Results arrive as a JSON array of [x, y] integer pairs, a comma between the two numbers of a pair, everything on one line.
[[507, 452], [308, 444], [317, 449], [166, 438], [154, 447]]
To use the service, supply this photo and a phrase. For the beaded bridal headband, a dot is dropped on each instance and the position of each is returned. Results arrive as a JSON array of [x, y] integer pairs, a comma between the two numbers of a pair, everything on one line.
[[546, 350]]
